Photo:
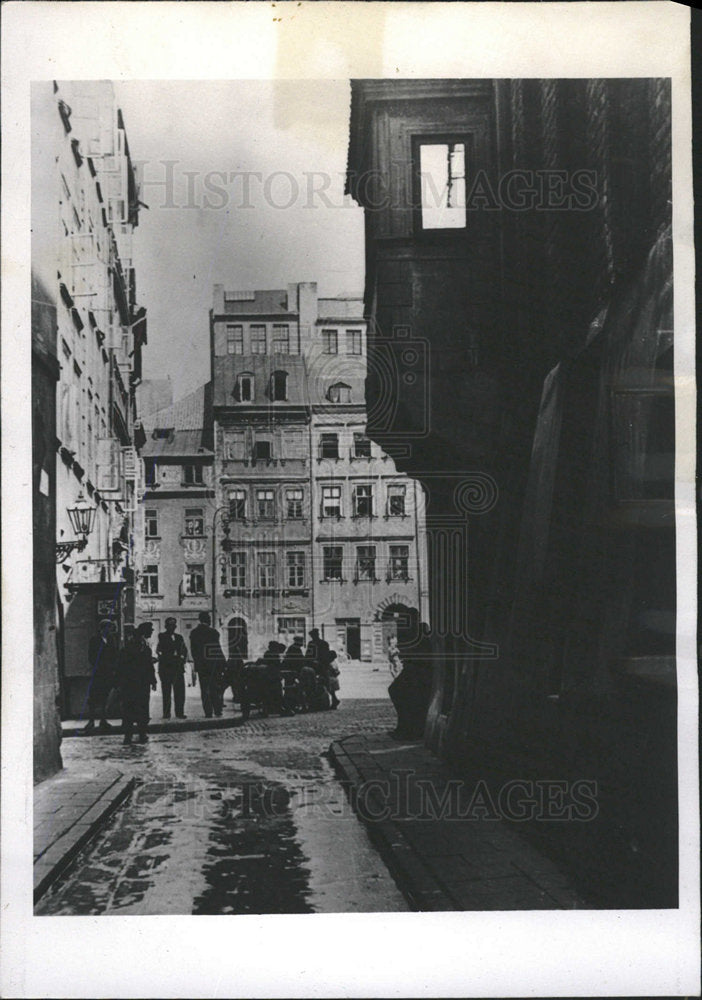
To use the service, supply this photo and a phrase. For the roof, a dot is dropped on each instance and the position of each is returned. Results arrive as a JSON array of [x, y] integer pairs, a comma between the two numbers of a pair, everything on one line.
[[264, 303], [188, 422]]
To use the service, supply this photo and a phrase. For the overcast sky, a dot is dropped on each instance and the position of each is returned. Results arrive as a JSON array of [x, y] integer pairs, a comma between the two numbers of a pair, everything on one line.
[[191, 137]]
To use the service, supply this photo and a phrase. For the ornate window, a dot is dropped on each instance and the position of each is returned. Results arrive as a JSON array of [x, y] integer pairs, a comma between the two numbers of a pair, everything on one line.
[[279, 386], [194, 579], [149, 579], [294, 498], [235, 339], [194, 522], [330, 342], [245, 387], [151, 523], [339, 392], [281, 338], [296, 569], [363, 500], [333, 560], [258, 338], [331, 501], [398, 568], [396, 501], [354, 342], [266, 570], [365, 562], [237, 505], [329, 446], [265, 504]]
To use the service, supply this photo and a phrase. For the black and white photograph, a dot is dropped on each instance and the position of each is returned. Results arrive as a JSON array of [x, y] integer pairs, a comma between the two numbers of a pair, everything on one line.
[[357, 515]]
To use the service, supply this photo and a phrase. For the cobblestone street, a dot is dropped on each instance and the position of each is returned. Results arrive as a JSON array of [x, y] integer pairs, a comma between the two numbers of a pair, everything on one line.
[[250, 819]]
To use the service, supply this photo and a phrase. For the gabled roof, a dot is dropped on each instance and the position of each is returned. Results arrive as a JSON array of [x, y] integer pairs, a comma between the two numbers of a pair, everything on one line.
[[188, 422]]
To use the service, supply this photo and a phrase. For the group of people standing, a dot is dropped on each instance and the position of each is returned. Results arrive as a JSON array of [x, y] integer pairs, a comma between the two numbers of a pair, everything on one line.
[[131, 671]]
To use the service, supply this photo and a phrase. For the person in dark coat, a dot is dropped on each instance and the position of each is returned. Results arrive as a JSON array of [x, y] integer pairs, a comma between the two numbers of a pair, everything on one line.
[[103, 651], [320, 654], [274, 680], [137, 679], [411, 690], [210, 664], [172, 654], [294, 658]]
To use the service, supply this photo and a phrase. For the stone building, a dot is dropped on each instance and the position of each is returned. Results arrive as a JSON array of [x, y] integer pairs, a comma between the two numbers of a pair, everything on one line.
[[313, 524], [86, 210], [518, 232], [175, 544]]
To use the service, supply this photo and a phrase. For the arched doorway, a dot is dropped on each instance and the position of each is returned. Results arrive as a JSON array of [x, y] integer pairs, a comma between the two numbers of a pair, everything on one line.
[[237, 638], [401, 621]]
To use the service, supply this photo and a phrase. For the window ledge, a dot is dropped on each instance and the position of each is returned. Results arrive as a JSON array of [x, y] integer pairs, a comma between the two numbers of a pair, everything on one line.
[[333, 579]]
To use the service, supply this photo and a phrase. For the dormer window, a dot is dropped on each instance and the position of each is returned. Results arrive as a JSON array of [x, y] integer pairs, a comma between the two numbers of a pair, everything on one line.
[[340, 392], [279, 386], [245, 388], [162, 433]]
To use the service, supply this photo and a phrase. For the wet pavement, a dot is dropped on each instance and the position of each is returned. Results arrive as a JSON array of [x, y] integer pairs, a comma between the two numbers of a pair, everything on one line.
[[250, 819]]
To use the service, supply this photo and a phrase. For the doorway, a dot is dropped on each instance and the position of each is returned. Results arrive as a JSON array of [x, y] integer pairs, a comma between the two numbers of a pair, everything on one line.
[[349, 633], [237, 639]]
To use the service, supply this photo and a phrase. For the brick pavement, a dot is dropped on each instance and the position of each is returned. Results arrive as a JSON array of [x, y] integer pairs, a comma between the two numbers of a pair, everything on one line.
[[445, 863], [69, 809]]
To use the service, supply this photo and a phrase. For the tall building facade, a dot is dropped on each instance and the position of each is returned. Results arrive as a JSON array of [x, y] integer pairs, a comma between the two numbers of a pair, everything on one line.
[[519, 233], [87, 210], [174, 554], [313, 525]]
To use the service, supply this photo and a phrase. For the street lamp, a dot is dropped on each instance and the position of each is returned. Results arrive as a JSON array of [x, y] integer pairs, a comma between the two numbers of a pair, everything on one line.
[[226, 548], [81, 516]]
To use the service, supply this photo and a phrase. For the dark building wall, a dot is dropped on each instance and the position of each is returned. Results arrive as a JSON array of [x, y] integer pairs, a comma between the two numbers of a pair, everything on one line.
[[548, 338], [45, 372]]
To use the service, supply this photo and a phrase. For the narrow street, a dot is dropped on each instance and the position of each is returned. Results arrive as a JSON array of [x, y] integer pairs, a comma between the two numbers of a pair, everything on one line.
[[244, 820]]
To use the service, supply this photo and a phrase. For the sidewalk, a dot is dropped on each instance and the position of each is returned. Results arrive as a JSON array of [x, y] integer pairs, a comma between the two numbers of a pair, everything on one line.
[[69, 809], [358, 680], [448, 863]]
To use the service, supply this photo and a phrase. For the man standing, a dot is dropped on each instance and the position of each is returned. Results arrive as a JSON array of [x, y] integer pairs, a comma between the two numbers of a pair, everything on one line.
[[136, 676], [172, 654], [210, 664], [102, 658]]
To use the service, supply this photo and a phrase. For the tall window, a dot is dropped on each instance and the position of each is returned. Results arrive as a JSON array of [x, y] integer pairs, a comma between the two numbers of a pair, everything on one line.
[[365, 562], [331, 501], [399, 562], [235, 339], [296, 569], [294, 499], [237, 505], [396, 501], [293, 626], [195, 578], [245, 388], [266, 570], [333, 559], [237, 570], [149, 579], [442, 180], [363, 500], [353, 342], [279, 386], [329, 446], [361, 446], [192, 475], [262, 451], [330, 342], [194, 521], [258, 338], [265, 504], [281, 338], [151, 523]]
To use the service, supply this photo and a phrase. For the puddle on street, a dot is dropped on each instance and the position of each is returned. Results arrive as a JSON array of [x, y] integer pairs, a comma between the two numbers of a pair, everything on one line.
[[256, 829]]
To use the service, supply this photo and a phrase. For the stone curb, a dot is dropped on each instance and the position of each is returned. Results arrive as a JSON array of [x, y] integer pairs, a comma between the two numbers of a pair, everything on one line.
[[51, 865], [414, 880], [186, 726]]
